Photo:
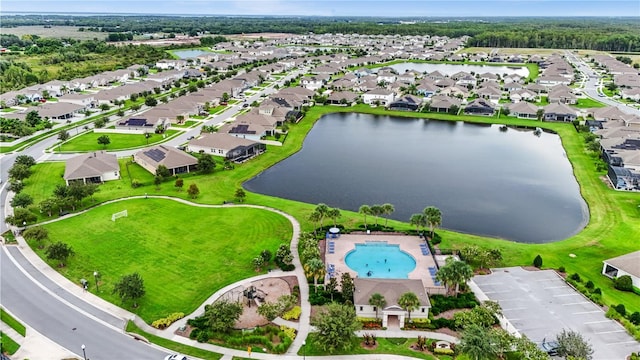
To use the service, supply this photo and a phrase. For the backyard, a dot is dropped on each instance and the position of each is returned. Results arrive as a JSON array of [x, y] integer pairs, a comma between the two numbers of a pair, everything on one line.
[[181, 261]]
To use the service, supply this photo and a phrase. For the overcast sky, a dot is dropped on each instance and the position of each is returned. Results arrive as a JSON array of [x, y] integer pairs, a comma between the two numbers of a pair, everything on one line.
[[335, 8]]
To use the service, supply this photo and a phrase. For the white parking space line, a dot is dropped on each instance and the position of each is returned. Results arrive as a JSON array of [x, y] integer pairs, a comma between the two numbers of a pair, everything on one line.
[[586, 312], [497, 292], [555, 287], [577, 303], [609, 332], [597, 322], [516, 308], [566, 295]]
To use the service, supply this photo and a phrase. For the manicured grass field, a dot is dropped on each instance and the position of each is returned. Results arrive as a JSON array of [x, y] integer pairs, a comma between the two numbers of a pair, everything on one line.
[[187, 124], [184, 253], [13, 323], [396, 346], [89, 141], [588, 103]]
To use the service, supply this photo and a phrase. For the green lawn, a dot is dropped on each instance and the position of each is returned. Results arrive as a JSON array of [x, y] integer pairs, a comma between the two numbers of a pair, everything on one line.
[[588, 103], [187, 124], [8, 344], [13, 323], [89, 141], [612, 229], [181, 260], [217, 109], [396, 346], [175, 346]]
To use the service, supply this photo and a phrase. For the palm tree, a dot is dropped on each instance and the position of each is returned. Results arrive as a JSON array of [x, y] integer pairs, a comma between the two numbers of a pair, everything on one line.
[[376, 210], [434, 218], [476, 344], [335, 214], [378, 301], [454, 273], [418, 220], [314, 268], [387, 209], [365, 210], [409, 301], [315, 216], [322, 209]]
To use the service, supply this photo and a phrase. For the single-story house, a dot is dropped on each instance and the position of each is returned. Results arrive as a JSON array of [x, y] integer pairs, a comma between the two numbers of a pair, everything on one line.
[[140, 123], [559, 112], [342, 98], [480, 107], [443, 103], [226, 145], [95, 167], [523, 110], [176, 161], [391, 290], [628, 264], [406, 102]]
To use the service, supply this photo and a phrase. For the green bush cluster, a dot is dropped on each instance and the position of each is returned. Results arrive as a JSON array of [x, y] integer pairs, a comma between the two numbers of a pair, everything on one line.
[[440, 323], [441, 303], [441, 351], [587, 289], [624, 283], [163, 323], [288, 332], [269, 337], [293, 314], [632, 329]]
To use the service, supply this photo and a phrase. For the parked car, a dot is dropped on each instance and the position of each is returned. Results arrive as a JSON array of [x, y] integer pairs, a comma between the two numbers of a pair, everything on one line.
[[245, 105], [191, 138], [550, 347], [176, 357]]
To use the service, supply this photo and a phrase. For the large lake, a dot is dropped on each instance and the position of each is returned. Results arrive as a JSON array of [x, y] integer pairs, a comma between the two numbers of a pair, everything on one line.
[[450, 69], [509, 184]]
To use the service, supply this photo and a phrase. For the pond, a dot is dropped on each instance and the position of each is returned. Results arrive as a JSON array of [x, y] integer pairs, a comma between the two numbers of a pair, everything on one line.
[[187, 54], [509, 184], [450, 69]]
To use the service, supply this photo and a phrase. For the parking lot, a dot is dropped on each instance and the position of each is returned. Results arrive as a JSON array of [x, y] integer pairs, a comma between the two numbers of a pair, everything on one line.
[[539, 304]]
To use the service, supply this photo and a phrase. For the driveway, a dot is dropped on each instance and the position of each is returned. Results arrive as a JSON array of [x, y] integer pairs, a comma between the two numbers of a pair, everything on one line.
[[539, 304]]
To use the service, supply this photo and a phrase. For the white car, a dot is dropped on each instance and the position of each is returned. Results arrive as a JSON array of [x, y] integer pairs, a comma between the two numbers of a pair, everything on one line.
[[176, 357]]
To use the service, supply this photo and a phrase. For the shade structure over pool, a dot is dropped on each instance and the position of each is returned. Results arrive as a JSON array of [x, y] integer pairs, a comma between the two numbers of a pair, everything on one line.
[[334, 230]]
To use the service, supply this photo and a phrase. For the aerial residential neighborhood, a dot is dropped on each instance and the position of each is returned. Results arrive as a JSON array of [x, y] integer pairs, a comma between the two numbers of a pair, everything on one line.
[[180, 192]]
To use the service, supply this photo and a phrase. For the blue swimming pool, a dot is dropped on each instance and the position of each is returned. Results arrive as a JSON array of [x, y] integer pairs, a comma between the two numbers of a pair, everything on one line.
[[380, 260]]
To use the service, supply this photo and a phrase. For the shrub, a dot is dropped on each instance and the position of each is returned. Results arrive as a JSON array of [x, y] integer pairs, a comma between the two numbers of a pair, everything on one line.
[[439, 351], [623, 283], [165, 322], [589, 285], [597, 291], [635, 318], [288, 332], [443, 323], [620, 309], [562, 269], [135, 183], [537, 262], [440, 303], [575, 277], [293, 314]]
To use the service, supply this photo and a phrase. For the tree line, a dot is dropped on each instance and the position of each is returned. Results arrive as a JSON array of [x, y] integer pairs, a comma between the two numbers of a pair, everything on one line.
[[620, 34]]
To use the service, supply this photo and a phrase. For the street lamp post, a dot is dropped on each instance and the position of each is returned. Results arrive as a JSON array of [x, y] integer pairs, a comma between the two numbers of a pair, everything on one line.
[[84, 354], [24, 226], [304, 350], [95, 276]]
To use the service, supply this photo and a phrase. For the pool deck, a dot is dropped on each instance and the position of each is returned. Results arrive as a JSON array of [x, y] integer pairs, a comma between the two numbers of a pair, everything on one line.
[[410, 244]]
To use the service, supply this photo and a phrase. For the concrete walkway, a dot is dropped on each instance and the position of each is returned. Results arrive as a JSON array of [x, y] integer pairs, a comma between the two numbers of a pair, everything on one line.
[[116, 317]]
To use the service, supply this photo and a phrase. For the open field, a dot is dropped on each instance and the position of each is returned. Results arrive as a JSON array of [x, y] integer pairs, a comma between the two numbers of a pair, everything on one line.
[[610, 232], [182, 261], [55, 32], [89, 141]]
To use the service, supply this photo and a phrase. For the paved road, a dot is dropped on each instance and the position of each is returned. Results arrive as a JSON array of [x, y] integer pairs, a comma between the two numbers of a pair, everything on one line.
[[44, 311], [55, 312], [592, 84]]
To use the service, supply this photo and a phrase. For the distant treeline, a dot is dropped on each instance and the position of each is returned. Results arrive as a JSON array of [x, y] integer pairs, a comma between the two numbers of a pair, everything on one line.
[[606, 34]]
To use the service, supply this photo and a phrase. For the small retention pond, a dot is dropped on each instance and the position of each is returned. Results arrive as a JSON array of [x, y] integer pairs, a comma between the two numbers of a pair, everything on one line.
[[510, 184]]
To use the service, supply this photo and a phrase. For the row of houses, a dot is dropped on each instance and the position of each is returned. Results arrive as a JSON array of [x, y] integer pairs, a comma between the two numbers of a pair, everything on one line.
[[624, 76]]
